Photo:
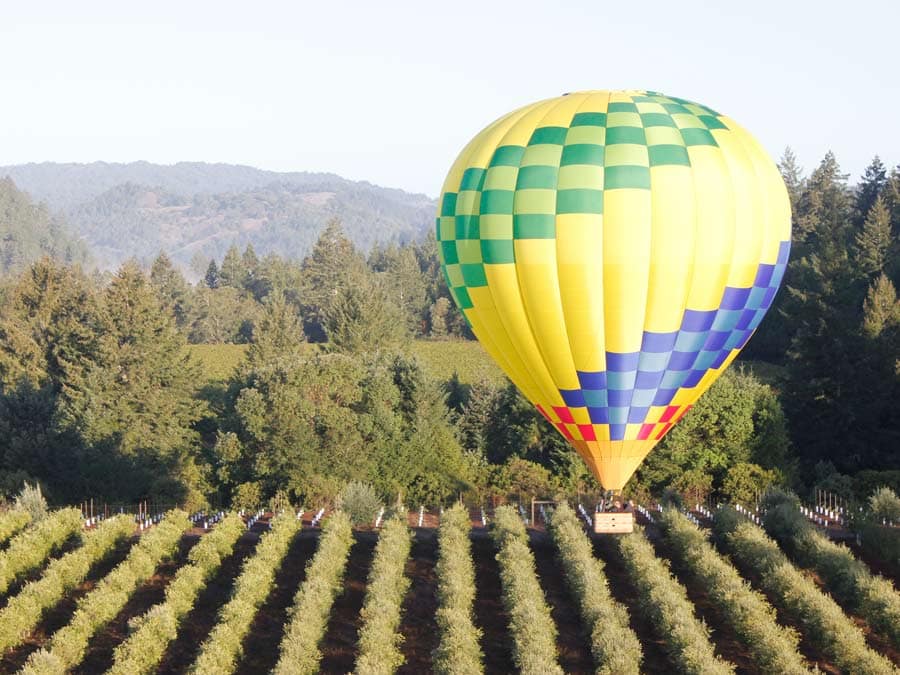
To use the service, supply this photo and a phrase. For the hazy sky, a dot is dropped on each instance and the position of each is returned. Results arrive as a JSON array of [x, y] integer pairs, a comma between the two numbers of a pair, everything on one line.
[[390, 91]]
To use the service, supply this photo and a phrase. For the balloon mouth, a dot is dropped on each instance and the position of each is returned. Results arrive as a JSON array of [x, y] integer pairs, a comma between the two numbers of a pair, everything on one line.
[[614, 462]]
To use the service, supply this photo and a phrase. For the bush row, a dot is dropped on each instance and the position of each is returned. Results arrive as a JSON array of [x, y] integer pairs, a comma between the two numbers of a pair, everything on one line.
[[29, 549], [105, 601], [312, 605], [773, 647], [817, 614], [379, 641], [221, 651], [11, 521], [24, 611], [144, 648], [457, 652], [531, 626], [870, 596], [614, 646], [665, 601]]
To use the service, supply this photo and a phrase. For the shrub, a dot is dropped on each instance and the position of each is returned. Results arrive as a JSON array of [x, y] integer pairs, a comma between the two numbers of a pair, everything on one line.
[[154, 630], [665, 601], [530, 624], [885, 505], [220, 652], [31, 500], [378, 638], [773, 647], [312, 604], [247, 496], [458, 652], [821, 619], [23, 612], [614, 646], [11, 522], [360, 502], [851, 582], [105, 601], [30, 548]]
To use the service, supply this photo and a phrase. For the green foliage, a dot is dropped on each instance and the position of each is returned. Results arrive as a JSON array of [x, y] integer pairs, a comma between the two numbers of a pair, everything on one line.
[[31, 500], [665, 601], [614, 646], [154, 630], [745, 482], [739, 420], [530, 624], [820, 618], [24, 611], [848, 579], [300, 653], [379, 641], [774, 648], [68, 645], [221, 651], [11, 521], [360, 502], [885, 505], [31, 547], [458, 651], [28, 232]]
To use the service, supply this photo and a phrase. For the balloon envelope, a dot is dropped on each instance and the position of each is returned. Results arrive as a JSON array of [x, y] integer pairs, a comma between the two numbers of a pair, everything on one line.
[[613, 252]]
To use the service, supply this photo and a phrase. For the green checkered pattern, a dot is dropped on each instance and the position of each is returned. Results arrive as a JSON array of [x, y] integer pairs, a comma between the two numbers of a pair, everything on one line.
[[562, 170]]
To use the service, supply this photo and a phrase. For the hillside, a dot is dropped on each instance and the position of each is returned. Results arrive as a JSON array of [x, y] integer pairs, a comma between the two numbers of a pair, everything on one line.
[[195, 211]]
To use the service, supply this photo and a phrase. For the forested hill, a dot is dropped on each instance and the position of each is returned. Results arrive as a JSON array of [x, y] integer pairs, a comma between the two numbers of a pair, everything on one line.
[[196, 211]]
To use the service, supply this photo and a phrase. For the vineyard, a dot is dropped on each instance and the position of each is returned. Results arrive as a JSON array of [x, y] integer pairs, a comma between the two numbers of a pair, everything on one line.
[[456, 591]]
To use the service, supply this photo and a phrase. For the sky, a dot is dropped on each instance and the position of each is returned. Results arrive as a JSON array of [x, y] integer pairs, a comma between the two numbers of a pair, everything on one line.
[[390, 92]]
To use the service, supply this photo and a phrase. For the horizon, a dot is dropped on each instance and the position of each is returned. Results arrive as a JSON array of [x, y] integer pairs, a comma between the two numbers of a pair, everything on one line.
[[391, 97]]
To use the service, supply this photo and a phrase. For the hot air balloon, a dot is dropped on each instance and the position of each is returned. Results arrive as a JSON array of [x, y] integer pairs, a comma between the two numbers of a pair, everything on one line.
[[613, 251]]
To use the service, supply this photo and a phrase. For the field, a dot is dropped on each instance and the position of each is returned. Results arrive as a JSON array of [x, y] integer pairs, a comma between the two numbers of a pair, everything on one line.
[[439, 358], [281, 594]]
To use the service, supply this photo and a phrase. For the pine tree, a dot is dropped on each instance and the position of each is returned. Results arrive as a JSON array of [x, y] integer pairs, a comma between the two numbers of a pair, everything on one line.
[[874, 240], [870, 188], [437, 316], [361, 318], [232, 272], [881, 309], [793, 177], [326, 272], [171, 288], [277, 335], [211, 278]]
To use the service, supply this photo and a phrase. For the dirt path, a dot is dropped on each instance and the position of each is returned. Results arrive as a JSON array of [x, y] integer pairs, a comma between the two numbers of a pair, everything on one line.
[[572, 640], [418, 626], [490, 616], [339, 648], [99, 656], [622, 590], [59, 616], [261, 648], [198, 623]]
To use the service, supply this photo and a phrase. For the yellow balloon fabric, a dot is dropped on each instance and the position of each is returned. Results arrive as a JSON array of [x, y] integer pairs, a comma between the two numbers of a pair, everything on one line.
[[613, 251]]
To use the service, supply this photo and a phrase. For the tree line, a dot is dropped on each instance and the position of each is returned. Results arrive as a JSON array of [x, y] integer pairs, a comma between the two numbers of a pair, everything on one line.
[[99, 395]]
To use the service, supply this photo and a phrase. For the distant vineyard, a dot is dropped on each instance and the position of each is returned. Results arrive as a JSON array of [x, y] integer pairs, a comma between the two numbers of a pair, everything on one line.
[[440, 359], [458, 591]]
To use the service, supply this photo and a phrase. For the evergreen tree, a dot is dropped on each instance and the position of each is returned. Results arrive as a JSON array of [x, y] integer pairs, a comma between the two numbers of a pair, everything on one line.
[[326, 272], [873, 240], [278, 334], [211, 278], [171, 288], [881, 309], [232, 272], [870, 189], [793, 178], [437, 317], [361, 318]]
